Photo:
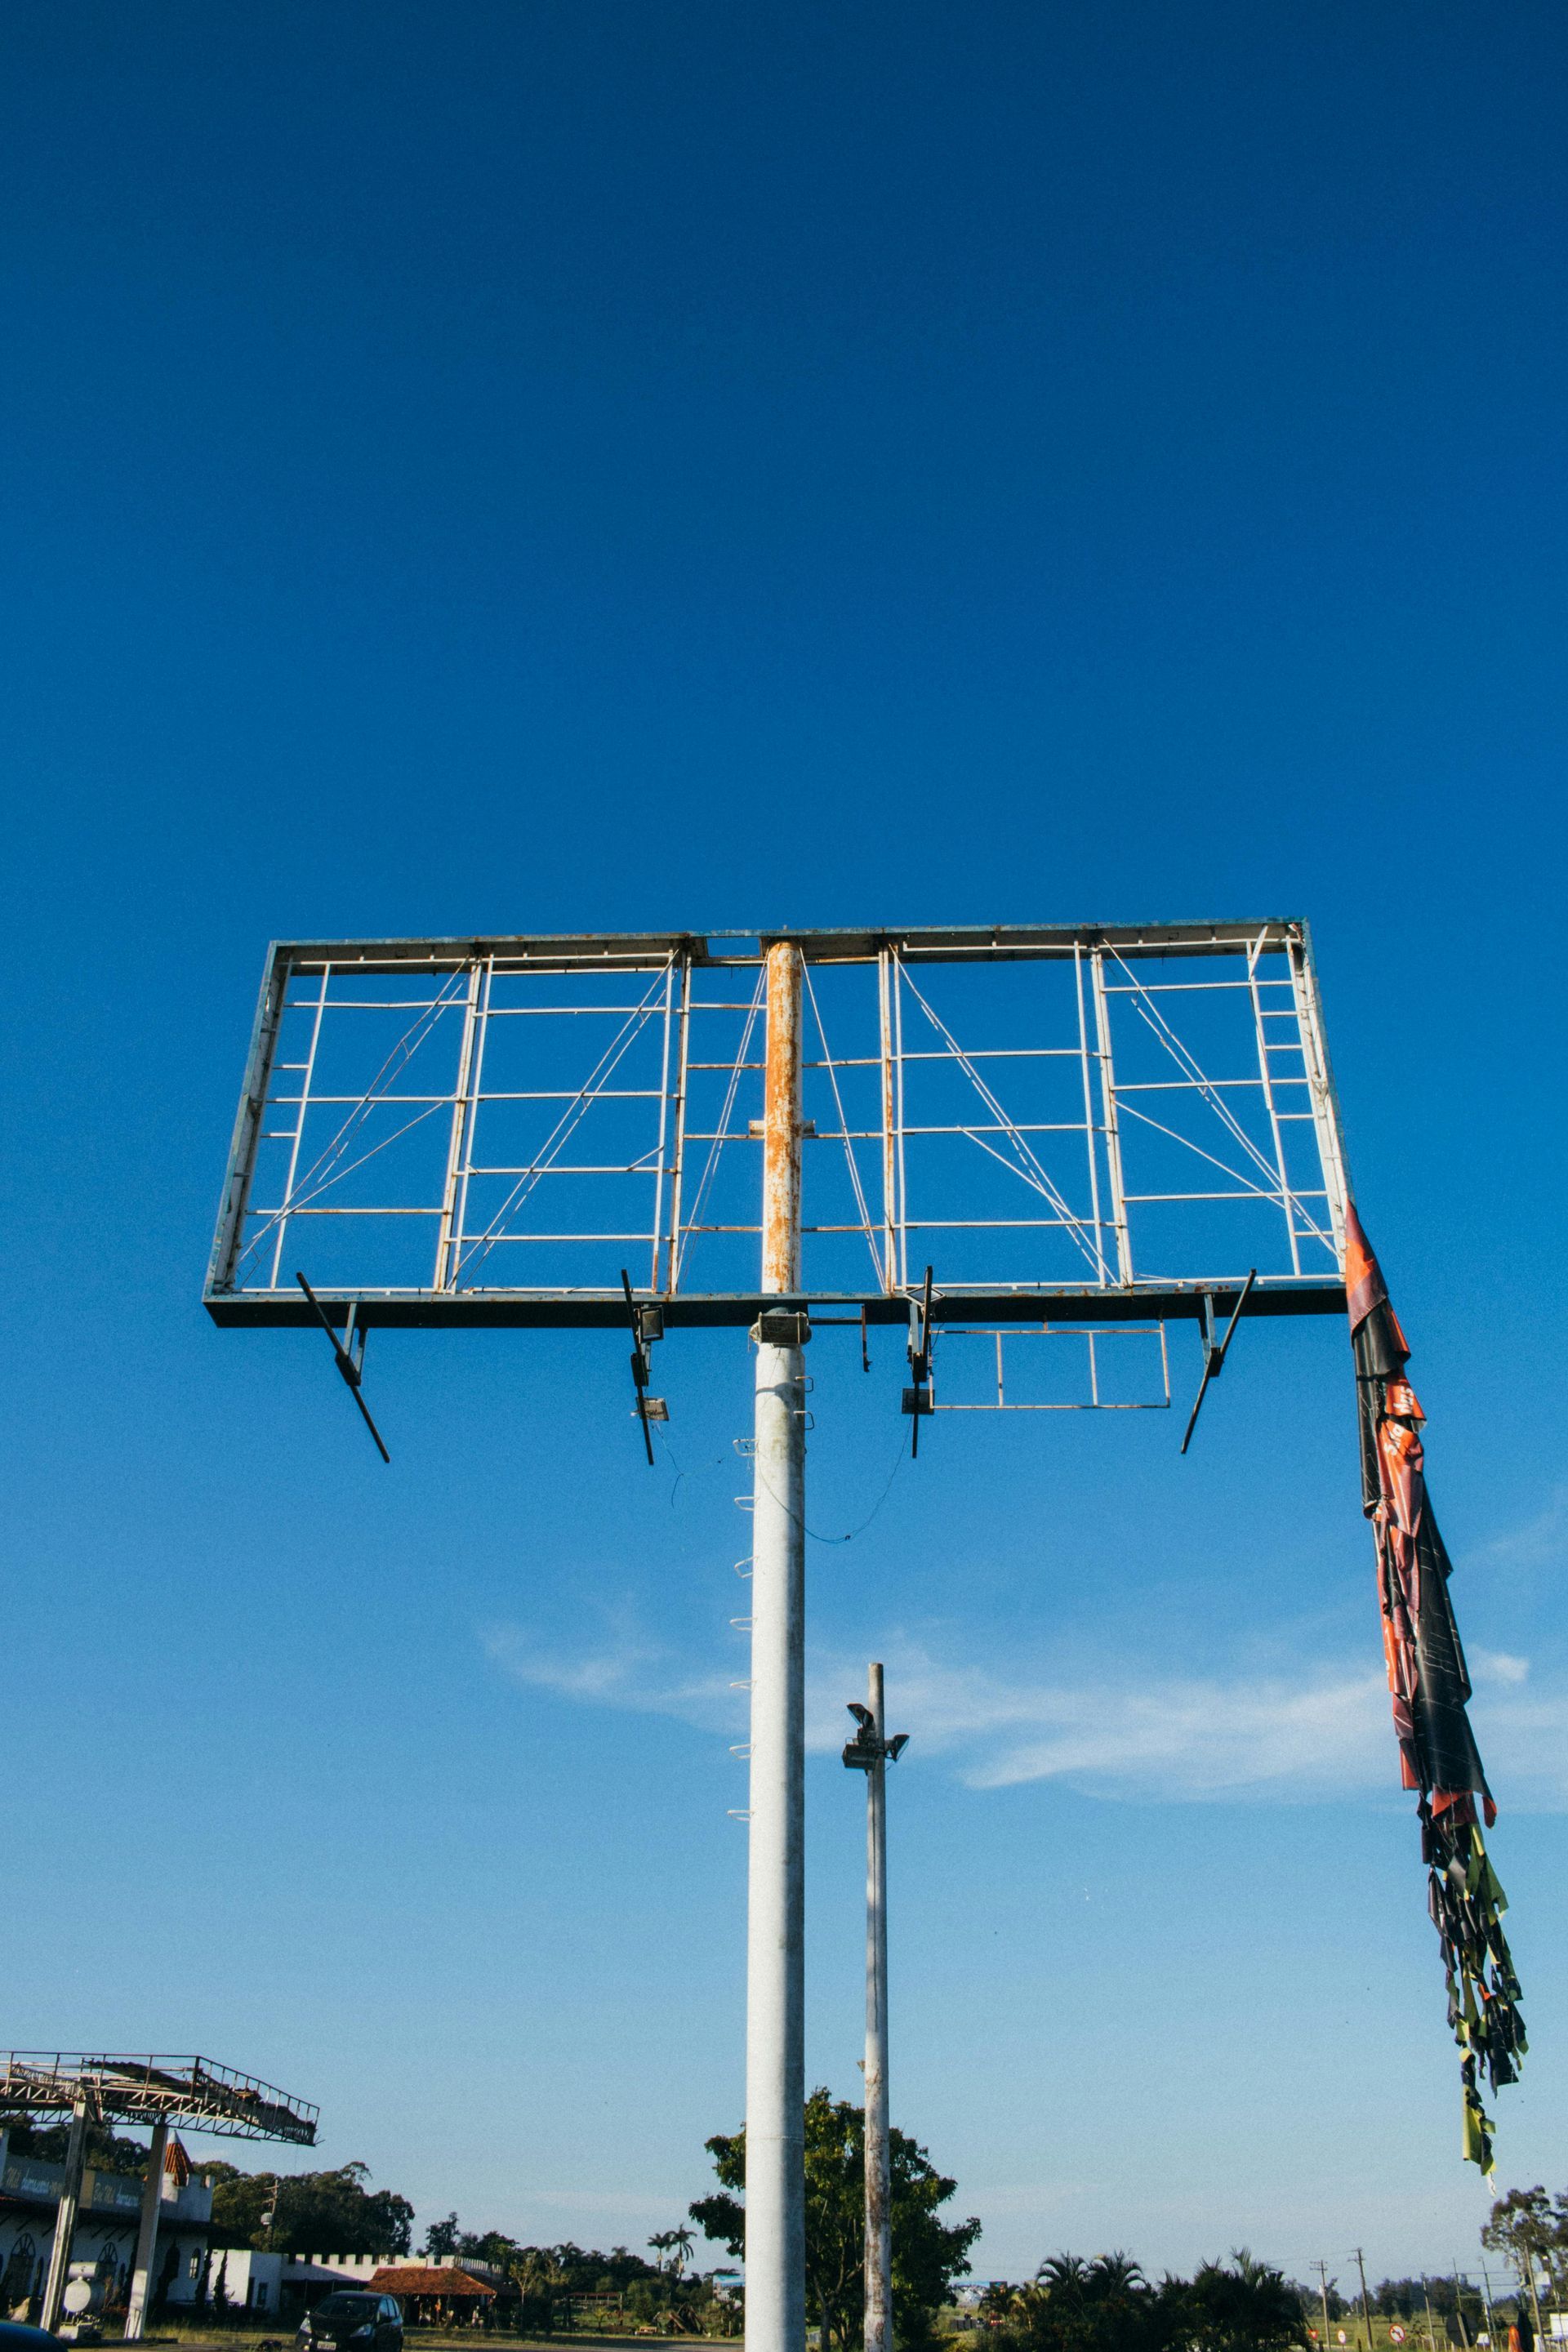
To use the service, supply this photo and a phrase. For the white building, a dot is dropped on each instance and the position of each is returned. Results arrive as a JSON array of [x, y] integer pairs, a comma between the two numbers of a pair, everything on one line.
[[104, 2245]]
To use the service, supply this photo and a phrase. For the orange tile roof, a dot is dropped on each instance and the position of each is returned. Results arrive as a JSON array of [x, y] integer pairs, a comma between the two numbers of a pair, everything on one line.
[[426, 2278]]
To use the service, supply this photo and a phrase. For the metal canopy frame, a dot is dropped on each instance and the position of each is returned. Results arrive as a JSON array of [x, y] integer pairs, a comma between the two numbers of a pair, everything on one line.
[[1266, 1134], [188, 2094]]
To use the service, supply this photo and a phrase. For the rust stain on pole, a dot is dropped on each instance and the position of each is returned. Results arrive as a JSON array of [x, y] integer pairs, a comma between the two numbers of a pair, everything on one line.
[[781, 1122]]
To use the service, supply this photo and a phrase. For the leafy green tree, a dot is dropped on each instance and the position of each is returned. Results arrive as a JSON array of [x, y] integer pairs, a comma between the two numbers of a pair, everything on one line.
[[1406, 2298], [1530, 2230], [1107, 2304], [166, 2277], [1245, 2305], [312, 2212], [442, 2237], [492, 2246], [107, 2151], [1103, 2305], [928, 2253]]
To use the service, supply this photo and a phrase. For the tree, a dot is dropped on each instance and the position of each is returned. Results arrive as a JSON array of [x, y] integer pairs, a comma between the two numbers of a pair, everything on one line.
[[313, 2212], [492, 2246], [1406, 2298], [1530, 2230], [928, 2253], [166, 2277], [441, 2237], [1107, 2304], [1103, 2305], [107, 2151], [1246, 2307]]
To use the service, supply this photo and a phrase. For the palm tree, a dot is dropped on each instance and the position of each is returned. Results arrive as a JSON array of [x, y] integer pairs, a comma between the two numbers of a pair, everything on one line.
[[681, 2242], [1115, 2273], [661, 2244], [1063, 2274], [1245, 2306]]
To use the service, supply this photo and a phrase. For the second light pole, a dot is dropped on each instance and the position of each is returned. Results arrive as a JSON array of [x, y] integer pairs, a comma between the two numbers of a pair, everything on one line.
[[871, 1752]]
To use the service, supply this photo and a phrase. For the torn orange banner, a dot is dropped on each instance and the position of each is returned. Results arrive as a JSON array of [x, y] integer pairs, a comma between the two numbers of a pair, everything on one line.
[[1429, 1686]]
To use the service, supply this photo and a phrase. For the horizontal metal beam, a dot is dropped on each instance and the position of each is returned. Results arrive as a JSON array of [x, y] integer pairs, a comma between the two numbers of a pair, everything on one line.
[[612, 950], [606, 1310]]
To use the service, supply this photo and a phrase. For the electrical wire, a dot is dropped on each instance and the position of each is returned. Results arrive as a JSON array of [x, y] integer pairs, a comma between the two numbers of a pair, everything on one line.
[[897, 1465]]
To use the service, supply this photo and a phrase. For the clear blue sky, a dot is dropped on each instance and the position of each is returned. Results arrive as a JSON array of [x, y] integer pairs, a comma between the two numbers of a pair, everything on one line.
[[557, 466]]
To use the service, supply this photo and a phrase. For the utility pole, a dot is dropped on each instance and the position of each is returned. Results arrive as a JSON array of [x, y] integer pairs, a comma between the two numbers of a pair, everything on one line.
[[871, 1752], [775, 1929], [65, 2216], [1459, 2307], [1431, 2323], [1365, 2299], [1534, 2297], [1323, 2270], [1492, 2324]]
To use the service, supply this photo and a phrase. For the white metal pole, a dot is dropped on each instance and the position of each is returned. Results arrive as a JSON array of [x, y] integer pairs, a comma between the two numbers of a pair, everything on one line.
[[65, 2217], [776, 1941], [879, 2166], [147, 2236]]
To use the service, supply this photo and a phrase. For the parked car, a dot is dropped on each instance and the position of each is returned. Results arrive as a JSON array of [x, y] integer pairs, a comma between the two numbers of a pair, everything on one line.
[[367, 2323], [15, 2338]]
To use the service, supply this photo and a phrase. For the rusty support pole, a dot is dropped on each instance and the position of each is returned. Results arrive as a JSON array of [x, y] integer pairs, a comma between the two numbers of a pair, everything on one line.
[[776, 1932]]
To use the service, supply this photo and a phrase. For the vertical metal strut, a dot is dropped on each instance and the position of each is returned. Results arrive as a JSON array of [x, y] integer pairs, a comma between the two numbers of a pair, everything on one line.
[[65, 2215], [147, 2236], [775, 1942], [878, 2164]]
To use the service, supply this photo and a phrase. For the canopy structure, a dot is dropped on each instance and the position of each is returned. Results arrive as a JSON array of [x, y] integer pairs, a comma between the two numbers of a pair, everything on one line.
[[188, 2094]]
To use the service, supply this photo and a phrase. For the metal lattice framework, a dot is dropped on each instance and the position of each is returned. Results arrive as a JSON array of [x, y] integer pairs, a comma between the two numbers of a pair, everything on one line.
[[189, 2094], [1086, 1124]]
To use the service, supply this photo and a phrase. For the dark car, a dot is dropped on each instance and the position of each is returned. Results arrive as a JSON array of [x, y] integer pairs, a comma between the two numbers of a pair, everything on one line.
[[350, 2322], [15, 2338]]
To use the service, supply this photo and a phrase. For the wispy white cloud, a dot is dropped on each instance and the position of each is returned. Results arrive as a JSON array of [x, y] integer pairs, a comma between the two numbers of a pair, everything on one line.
[[1128, 1731], [625, 1672], [1498, 1667], [1539, 1541]]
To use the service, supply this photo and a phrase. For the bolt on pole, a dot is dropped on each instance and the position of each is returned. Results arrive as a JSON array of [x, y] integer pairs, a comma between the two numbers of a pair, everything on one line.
[[776, 1926], [878, 2164]]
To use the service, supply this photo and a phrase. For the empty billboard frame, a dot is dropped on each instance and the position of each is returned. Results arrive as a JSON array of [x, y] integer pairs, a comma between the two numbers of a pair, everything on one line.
[[1069, 1123]]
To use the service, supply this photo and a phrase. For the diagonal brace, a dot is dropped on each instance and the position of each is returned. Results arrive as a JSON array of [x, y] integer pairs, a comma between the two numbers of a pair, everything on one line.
[[349, 1359], [1215, 1348]]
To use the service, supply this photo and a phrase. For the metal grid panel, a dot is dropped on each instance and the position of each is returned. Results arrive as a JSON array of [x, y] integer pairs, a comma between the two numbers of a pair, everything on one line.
[[1099, 1121]]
